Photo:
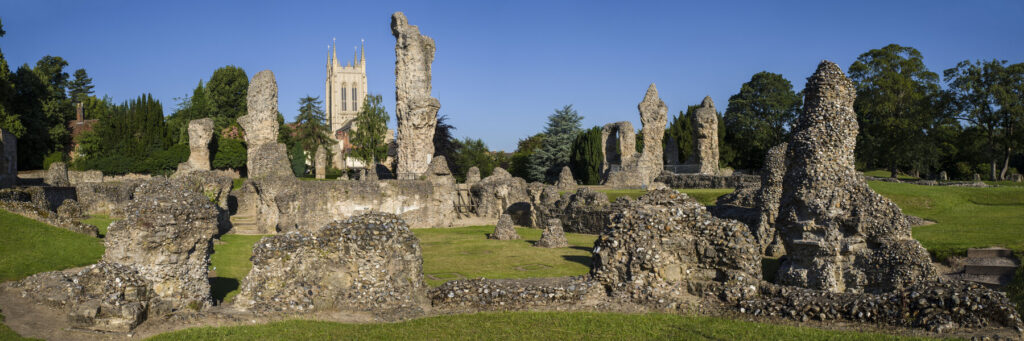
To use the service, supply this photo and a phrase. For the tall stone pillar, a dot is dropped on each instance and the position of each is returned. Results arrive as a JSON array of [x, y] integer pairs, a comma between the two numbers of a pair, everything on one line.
[[266, 157], [705, 137], [321, 162], [654, 117], [200, 132], [415, 109]]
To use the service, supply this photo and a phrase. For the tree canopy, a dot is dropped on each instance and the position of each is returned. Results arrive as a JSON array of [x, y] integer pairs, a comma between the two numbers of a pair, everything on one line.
[[547, 161], [759, 117], [371, 128]]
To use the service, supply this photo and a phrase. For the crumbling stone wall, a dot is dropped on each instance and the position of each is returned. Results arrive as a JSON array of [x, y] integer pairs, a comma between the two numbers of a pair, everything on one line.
[[618, 142], [200, 132], [266, 157], [415, 110], [106, 197], [499, 191], [81, 177], [839, 234], [705, 138], [664, 249], [26, 203], [167, 236], [645, 168], [370, 262], [57, 175], [320, 162], [675, 180]]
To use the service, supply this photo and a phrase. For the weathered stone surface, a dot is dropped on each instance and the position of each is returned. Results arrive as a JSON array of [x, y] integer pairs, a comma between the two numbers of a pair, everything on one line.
[[664, 249], [705, 138], [504, 230], [215, 186], [1017, 177], [266, 157], [977, 177], [514, 294], [943, 176], [443, 197], [200, 132], [768, 197], [370, 262], [57, 175], [415, 110], [935, 306], [472, 175], [565, 180], [586, 211], [553, 235], [167, 236], [26, 204], [8, 159], [839, 234], [70, 209], [105, 296], [320, 162], [644, 168], [706, 181], [498, 192], [109, 198], [618, 142], [81, 177]]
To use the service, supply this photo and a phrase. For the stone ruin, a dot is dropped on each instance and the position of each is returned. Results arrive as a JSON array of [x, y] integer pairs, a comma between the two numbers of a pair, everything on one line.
[[266, 157], [200, 133], [618, 143], [472, 175], [415, 110], [8, 159], [705, 138], [553, 236], [840, 235], [757, 204], [57, 175], [943, 176], [565, 180], [370, 262], [504, 229], [320, 163], [643, 169], [155, 263]]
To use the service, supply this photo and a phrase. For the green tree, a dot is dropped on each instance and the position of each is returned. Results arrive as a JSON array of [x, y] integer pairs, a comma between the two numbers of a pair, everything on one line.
[[230, 154], [986, 94], [895, 93], [759, 117], [587, 156], [469, 153], [81, 87], [547, 162], [298, 160], [445, 143], [226, 92], [371, 126], [310, 129], [519, 163], [679, 130], [10, 121]]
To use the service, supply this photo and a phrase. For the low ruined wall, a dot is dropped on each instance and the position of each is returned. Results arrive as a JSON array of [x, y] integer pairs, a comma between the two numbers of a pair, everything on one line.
[[106, 197], [706, 181], [288, 204], [51, 197], [81, 177], [515, 294]]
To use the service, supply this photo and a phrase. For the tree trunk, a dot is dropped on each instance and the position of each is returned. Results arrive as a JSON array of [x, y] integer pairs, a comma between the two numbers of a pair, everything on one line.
[[892, 170], [993, 170]]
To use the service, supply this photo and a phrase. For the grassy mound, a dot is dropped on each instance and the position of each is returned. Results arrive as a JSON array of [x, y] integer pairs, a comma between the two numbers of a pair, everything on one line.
[[527, 326], [29, 247]]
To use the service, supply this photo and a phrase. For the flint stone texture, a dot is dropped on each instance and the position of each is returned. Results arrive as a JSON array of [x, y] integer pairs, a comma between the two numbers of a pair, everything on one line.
[[57, 175], [705, 139], [370, 262], [706, 181], [840, 236], [650, 163], [504, 230], [21, 202], [664, 249], [472, 175], [497, 192], [109, 198], [105, 296], [320, 161], [8, 159], [619, 134], [514, 294], [565, 180], [81, 177], [266, 157], [167, 236], [70, 209], [767, 201], [200, 132], [415, 109], [553, 235]]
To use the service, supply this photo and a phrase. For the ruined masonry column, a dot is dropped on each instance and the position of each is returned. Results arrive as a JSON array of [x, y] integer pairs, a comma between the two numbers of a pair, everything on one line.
[[415, 109], [321, 162], [200, 132], [653, 116], [705, 147]]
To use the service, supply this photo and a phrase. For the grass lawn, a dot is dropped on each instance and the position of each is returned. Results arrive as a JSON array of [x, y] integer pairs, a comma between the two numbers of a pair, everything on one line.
[[465, 252], [237, 183], [101, 221], [527, 325], [230, 261], [882, 173], [965, 217], [28, 246]]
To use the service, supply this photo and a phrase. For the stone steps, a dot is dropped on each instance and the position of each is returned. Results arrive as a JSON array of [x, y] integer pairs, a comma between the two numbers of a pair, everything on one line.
[[244, 224], [990, 252], [992, 267]]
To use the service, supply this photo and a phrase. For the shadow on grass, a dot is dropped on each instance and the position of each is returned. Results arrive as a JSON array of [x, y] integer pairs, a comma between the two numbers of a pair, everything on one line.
[[585, 260], [582, 248], [221, 286]]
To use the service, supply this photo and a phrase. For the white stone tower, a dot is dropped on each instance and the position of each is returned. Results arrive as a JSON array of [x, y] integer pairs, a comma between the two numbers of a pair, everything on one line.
[[345, 93]]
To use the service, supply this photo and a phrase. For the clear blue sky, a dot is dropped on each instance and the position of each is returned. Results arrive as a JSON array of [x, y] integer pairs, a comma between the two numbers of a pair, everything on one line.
[[501, 66]]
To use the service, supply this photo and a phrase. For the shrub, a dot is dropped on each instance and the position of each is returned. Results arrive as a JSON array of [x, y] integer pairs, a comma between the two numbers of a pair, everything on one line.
[[231, 154], [57, 156]]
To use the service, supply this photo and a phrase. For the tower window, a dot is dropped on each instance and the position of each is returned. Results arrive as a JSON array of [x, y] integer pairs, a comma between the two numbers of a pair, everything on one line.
[[355, 99], [344, 100]]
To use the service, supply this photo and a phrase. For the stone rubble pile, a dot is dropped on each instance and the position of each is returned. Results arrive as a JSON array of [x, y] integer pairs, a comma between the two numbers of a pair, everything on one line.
[[57, 175], [504, 229], [553, 236], [565, 180], [371, 262]]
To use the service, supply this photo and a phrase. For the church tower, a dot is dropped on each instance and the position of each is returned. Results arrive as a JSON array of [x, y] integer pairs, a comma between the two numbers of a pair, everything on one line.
[[345, 93]]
